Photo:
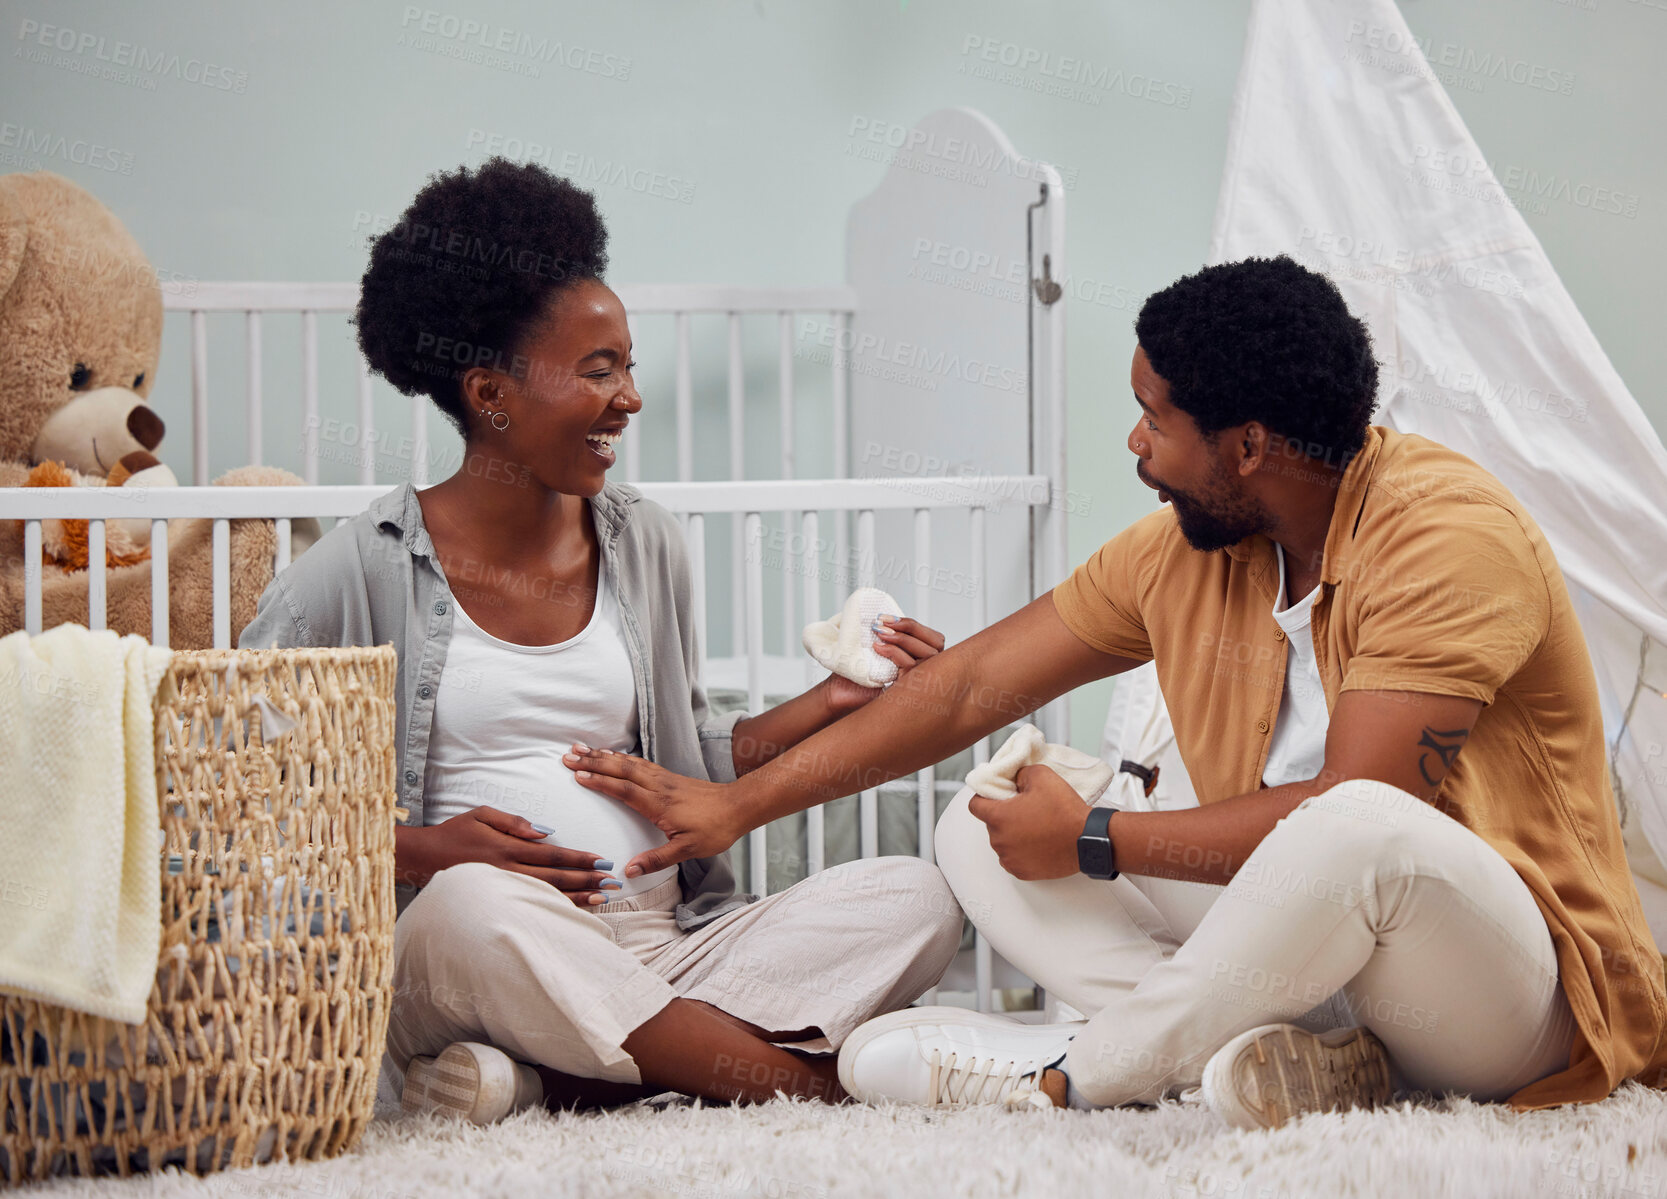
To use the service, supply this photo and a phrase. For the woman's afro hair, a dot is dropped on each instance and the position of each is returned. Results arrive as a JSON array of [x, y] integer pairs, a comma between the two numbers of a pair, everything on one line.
[[472, 264], [1267, 340]]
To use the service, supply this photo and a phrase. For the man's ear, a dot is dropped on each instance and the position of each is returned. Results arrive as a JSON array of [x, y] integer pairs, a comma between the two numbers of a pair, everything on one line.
[[1251, 447]]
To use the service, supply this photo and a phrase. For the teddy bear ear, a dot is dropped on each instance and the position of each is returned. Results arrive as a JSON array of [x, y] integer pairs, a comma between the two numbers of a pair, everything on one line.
[[14, 235]]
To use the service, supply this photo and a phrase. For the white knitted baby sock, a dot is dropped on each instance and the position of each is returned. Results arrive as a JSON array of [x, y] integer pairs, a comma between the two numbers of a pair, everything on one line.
[[997, 778], [844, 643]]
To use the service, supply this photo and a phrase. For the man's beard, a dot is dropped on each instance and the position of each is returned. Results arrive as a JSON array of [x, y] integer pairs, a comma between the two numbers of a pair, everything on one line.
[[1225, 519]]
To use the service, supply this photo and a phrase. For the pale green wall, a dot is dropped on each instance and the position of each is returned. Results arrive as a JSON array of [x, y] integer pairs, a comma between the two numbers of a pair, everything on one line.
[[752, 104]]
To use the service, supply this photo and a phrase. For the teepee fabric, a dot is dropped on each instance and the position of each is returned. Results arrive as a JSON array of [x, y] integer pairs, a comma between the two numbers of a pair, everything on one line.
[[1346, 153]]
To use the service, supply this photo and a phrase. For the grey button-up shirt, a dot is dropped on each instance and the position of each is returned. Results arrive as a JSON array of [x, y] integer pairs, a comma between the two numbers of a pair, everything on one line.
[[375, 580]]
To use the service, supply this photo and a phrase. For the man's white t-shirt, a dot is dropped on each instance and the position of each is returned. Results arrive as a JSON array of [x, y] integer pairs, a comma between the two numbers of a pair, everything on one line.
[[506, 714], [1298, 748]]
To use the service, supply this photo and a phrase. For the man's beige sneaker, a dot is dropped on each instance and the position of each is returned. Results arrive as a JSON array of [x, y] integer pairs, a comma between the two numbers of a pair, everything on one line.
[[470, 1081], [1263, 1077]]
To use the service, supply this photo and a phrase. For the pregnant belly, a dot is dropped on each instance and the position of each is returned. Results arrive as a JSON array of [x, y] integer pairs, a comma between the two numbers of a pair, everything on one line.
[[546, 793]]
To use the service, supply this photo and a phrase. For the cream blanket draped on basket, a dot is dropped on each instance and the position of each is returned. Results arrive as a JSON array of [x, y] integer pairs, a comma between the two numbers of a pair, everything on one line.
[[80, 863]]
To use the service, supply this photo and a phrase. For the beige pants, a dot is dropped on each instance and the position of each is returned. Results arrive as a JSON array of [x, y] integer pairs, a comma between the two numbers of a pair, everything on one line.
[[484, 954], [1363, 906]]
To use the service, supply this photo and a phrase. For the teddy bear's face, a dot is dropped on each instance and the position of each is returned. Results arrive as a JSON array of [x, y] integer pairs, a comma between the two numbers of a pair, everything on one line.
[[98, 429], [81, 319]]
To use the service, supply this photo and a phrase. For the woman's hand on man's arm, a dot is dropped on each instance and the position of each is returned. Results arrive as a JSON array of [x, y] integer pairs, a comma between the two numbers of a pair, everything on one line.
[[503, 840]]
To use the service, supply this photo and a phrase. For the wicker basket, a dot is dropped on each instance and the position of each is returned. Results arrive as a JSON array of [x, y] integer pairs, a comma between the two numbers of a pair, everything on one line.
[[264, 1032]]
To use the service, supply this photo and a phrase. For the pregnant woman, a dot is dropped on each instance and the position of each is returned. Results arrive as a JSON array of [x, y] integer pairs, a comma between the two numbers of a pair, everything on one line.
[[536, 606]]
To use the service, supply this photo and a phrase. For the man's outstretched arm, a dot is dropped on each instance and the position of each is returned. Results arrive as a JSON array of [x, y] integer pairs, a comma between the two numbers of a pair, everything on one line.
[[936, 709]]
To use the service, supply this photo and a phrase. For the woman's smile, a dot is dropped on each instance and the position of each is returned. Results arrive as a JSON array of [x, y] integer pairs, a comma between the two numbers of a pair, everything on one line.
[[601, 442]]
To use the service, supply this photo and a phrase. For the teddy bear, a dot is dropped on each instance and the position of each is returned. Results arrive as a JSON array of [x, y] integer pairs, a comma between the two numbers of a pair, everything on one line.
[[81, 324]]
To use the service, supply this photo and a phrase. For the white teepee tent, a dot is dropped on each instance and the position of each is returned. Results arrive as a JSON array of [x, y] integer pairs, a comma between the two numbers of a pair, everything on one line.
[[1346, 153]]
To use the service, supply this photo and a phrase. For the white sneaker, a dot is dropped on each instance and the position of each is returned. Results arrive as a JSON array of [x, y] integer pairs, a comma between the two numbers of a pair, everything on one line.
[[1264, 1077], [950, 1056], [470, 1081]]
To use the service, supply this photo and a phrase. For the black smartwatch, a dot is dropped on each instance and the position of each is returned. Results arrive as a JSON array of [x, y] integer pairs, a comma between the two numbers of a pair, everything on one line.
[[1095, 857]]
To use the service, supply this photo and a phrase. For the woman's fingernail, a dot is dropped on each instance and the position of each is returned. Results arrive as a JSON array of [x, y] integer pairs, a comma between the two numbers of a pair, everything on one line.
[[581, 774], [613, 883], [598, 898], [581, 747], [632, 871], [542, 831], [603, 864]]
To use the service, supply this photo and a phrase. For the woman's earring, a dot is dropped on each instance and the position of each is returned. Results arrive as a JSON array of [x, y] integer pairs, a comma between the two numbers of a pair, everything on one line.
[[500, 416]]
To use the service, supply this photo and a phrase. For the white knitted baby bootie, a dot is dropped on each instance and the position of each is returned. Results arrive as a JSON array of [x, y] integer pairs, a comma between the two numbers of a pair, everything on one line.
[[844, 643], [997, 778]]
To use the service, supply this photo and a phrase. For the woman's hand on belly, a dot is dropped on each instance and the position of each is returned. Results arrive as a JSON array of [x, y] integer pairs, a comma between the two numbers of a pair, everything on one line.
[[499, 839]]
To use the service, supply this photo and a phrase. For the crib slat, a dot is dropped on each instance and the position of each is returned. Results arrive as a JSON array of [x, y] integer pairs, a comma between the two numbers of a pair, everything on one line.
[[367, 426], [810, 569], [685, 402], [159, 582], [737, 400], [784, 386], [97, 606], [815, 827], [199, 397], [222, 575], [841, 433], [309, 396], [32, 577], [865, 547], [251, 326], [737, 464], [841, 397], [697, 580], [757, 841], [868, 805], [927, 796], [280, 557]]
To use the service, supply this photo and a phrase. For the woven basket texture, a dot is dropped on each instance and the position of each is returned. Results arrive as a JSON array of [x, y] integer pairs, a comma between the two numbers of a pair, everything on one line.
[[265, 1027]]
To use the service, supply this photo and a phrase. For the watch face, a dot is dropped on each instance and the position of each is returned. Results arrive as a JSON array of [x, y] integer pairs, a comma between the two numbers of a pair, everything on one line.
[[1094, 856]]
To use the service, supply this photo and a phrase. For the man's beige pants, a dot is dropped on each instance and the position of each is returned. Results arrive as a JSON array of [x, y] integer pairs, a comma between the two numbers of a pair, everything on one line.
[[1363, 906], [483, 954]]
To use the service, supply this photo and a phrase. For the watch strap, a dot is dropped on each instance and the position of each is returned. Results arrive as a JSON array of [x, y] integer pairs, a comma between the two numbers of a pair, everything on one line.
[[1095, 856]]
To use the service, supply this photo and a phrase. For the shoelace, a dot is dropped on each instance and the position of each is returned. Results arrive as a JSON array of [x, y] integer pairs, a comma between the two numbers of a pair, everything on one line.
[[1026, 1095], [953, 1083]]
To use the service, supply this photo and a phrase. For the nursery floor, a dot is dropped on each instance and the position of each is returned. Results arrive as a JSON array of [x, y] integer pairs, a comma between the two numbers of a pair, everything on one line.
[[784, 1150]]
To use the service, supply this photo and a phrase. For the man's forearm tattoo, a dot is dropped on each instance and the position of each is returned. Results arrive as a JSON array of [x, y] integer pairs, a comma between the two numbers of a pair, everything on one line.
[[1446, 746]]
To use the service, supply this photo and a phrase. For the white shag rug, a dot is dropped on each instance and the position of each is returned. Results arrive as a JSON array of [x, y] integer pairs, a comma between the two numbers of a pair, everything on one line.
[[804, 1150]]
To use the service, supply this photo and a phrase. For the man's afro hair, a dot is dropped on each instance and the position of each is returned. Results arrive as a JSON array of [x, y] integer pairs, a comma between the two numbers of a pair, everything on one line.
[[1267, 340], [472, 264]]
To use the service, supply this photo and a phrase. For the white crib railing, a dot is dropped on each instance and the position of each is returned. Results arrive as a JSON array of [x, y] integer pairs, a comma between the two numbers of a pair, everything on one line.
[[681, 301]]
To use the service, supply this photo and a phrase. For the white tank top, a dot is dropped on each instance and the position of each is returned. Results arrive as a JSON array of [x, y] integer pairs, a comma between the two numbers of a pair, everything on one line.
[[506, 713]]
